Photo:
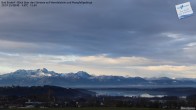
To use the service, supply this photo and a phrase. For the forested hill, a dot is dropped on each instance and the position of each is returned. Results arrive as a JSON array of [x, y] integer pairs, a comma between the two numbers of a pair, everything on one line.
[[44, 91]]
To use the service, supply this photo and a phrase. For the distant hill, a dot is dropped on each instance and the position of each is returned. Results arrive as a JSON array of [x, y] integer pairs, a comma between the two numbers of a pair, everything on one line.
[[44, 91], [42, 77]]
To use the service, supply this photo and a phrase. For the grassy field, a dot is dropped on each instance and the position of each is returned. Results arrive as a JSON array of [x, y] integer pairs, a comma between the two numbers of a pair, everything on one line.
[[93, 108]]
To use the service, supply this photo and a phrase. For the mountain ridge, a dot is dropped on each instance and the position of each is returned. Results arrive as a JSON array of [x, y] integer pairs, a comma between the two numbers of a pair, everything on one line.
[[43, 76]]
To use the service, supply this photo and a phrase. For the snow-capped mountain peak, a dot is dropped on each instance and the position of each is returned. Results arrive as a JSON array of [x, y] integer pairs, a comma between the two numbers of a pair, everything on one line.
[[44, 70], [32, 73], [78, 75], [82, 74], [81, 78]]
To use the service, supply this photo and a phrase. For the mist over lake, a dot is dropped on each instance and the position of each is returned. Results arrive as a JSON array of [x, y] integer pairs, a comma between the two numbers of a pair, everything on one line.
[[145, 92]]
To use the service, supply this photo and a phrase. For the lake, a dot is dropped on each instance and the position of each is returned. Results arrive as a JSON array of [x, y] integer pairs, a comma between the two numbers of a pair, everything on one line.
[[145, 92]]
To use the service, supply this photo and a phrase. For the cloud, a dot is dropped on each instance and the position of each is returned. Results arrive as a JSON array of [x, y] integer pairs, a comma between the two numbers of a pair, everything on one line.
[[128, 32], [97, 65], [167, 68]]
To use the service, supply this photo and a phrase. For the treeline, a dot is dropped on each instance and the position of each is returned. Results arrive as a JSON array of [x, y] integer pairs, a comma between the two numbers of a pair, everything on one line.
[[51, 96], [44, 90]]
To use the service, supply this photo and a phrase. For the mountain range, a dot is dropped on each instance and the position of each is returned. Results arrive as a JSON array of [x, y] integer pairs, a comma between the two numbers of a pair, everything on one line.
[[40, 77]]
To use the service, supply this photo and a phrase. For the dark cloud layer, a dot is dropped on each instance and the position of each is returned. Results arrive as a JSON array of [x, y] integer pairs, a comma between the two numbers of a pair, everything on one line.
[[117, 28]]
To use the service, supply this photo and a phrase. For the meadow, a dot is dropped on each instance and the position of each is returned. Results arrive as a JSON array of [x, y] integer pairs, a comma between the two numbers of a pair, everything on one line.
[[94, 108]]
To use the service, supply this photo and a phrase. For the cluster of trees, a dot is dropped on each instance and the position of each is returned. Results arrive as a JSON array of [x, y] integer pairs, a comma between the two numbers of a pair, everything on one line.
[[99, 101], [49, 96]]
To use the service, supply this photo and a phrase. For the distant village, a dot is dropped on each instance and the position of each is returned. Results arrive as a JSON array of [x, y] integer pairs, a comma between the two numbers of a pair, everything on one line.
[[56, 97]]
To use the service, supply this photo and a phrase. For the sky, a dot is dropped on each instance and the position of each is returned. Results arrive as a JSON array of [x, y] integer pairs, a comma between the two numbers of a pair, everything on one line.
[[132, 38]]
